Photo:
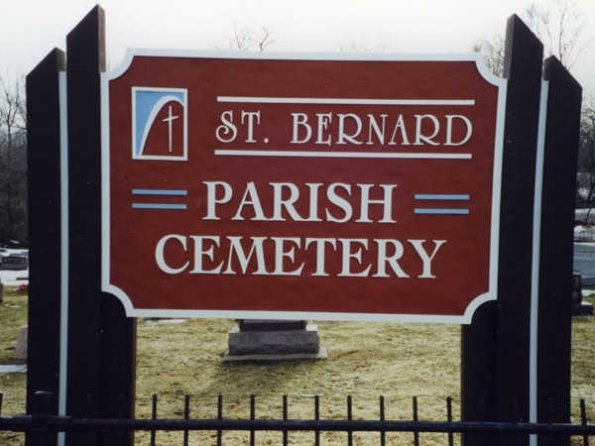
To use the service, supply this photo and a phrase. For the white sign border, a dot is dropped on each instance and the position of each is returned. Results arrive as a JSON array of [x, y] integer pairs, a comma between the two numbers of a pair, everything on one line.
[[466, 318]]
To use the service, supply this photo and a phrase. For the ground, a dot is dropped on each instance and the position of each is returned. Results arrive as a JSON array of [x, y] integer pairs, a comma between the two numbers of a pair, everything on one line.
[[366, 360]]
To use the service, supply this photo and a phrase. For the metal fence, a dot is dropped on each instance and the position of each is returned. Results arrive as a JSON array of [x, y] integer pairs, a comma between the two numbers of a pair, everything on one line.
[[45, 426]]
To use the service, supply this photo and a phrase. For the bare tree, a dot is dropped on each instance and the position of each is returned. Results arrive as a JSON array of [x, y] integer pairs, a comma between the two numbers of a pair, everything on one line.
[[493, 52], [12, 161], [586, 159], [249, 40], [560, 29]]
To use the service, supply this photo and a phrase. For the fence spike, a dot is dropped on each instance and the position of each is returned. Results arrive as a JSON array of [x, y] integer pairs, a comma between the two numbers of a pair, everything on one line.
[[415, 419], [186, 417], [285, 414], [317, 418], [252, 417], [154, 400], [382, 418], [219, 417], [154, 417], [449, 419], [584, 421], [186, 407], [349, 417]]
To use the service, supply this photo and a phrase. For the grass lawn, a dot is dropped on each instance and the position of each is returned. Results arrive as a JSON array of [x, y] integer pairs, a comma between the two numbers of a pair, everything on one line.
[[13, 315], [366, 360]]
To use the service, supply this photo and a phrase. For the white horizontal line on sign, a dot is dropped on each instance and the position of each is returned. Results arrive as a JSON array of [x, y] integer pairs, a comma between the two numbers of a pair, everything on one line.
[[343, 101], [321, 154]]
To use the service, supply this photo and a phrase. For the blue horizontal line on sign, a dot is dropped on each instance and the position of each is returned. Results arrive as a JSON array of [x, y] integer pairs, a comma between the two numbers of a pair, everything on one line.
[[343, 101], [325, 154], [171, 192], [159, 206], [441, 197], [442, 211]]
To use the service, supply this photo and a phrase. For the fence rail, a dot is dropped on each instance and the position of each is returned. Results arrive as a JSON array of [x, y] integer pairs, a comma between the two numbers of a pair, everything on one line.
[[71, 424], [49, 425]]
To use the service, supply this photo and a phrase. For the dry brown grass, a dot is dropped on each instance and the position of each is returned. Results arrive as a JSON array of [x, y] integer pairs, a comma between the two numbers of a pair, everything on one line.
[[13, 315], [583, 364], [366, 360]]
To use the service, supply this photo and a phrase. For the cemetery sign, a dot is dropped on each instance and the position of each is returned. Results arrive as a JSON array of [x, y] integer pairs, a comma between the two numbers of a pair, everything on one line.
[[301, 186]]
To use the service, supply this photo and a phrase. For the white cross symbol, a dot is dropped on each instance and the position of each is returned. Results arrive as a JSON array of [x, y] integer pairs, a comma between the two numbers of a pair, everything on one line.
[[170, 118]]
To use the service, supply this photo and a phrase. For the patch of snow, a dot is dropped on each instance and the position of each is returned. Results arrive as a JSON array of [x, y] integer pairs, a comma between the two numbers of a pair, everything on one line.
[[584, 213], [17, 368], [165, 321], [583, 233], [11, 251], [14, 278]]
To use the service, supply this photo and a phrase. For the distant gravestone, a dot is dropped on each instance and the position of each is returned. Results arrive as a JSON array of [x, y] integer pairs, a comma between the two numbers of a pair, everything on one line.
[[579, 308], [21, 348], [17, 261]]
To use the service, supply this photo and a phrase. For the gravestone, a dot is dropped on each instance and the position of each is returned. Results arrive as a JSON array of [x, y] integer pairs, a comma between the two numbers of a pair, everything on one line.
[[21, 348], [579, 308], [16, 261], [272, 340]]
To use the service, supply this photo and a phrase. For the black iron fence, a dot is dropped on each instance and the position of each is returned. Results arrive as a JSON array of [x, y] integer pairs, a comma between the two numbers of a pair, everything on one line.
[[46, 426]]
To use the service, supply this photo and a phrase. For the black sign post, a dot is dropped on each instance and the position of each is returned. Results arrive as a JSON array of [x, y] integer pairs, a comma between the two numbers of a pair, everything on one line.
[[97, 348], [562, 121], [516, 354], [101, 360], [495, 347], [522, 67], [45, 254]]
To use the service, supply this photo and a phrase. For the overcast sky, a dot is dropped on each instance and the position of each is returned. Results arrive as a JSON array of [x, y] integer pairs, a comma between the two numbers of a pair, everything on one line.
[[31, 28]]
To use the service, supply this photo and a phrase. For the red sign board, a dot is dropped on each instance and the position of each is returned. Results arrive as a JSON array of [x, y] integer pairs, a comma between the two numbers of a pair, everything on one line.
[[301, 186]]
